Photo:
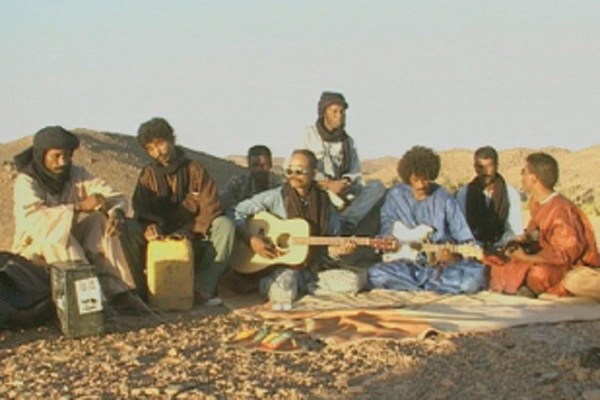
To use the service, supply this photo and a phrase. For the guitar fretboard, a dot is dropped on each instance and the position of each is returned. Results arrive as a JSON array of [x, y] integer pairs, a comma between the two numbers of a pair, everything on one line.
[[464, 249], [337, 241]]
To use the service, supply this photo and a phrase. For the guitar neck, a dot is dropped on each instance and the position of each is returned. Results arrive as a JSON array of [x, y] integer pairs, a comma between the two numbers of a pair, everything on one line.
[[332, 241], [433, 247], [464, 249]]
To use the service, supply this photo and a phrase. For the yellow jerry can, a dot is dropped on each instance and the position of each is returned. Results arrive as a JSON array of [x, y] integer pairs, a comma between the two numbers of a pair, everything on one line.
[[170, 273]]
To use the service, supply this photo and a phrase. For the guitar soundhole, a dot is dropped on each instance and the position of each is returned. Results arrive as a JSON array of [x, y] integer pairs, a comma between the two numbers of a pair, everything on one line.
[[283, 241]]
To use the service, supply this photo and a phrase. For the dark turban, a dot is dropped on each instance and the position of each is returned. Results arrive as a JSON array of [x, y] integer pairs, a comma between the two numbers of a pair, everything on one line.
[[329, 98], [31, 160]]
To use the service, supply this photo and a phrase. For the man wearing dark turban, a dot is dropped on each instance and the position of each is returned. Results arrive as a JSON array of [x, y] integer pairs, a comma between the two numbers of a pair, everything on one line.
[[338, 164], [64, 214]]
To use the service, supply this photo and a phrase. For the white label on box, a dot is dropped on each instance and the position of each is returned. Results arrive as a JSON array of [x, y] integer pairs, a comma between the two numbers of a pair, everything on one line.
[[89, 296], [60, 303]]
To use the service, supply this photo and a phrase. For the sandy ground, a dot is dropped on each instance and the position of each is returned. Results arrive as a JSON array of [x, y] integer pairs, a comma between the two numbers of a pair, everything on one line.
[[185, 356]]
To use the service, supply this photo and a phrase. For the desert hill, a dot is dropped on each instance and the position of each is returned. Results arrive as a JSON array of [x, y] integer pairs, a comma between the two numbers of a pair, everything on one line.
[[577, 178], [116, 158], [457, 167]]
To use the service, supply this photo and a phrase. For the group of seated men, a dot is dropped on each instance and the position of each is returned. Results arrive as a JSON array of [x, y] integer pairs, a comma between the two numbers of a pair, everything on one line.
[[63, 213]]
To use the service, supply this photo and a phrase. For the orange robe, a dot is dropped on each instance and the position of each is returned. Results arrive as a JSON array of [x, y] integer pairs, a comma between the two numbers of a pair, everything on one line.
[[566, 239]]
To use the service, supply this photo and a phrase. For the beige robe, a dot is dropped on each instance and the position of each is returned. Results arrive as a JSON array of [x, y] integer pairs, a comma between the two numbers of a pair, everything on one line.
[[48, 229]]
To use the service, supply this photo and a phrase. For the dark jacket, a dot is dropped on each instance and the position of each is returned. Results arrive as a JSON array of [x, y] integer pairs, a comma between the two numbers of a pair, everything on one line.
[[196, 211]]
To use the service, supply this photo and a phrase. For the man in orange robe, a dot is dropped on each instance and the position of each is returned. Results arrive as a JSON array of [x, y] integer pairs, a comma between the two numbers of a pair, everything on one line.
[[566, 237]]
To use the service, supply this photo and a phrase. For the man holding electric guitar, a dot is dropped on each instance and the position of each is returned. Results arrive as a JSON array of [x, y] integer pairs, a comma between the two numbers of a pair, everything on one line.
[[419, 207], [299, 198]]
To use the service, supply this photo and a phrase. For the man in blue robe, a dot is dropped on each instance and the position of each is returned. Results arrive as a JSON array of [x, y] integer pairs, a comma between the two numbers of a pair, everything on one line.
[[417, 203]]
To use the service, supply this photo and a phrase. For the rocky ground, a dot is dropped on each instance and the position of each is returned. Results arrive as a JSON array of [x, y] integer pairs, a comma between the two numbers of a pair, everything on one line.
[[186, 356]]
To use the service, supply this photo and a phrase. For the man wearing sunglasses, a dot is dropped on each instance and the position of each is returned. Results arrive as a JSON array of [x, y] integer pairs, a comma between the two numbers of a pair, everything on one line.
[[299, 197], [338, 165]]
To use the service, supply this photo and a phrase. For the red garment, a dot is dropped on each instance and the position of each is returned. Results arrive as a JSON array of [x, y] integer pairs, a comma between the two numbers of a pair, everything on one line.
[[566, 238]]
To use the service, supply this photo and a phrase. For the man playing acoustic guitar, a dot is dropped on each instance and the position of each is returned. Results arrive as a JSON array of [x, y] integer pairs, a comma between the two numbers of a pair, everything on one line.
[[565, 235], [299, 197], [412, 205]]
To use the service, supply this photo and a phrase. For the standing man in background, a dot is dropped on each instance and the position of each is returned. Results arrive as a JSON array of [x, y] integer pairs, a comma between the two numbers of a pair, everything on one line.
[[338, 165]]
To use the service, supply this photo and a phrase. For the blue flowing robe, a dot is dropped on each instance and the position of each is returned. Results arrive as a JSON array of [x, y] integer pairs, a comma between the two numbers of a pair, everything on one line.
[[441, 212]]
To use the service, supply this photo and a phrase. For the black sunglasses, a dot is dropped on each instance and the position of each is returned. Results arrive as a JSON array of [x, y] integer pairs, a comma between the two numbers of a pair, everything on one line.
[[296, 171]]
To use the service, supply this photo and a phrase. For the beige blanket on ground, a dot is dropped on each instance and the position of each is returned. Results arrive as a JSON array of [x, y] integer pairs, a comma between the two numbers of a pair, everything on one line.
[[389, 314]]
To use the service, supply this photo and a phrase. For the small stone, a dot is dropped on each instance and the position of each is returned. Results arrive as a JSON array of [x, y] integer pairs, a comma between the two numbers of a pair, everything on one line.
[[549, 377], [563, 361], [481, 388], [591, 358], [176, 388], [172, 352], [581, 374], [260, 392], [547, 390], [447, 384], [152, 391], [592, 394]]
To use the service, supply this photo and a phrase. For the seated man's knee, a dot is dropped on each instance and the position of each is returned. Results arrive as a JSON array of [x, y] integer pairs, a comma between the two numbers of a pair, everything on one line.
[[583, 281], [93, 218], [222, 225], [542, 277]]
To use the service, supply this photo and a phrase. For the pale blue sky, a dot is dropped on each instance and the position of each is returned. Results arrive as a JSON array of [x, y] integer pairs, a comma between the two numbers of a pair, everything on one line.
[[230, 74]]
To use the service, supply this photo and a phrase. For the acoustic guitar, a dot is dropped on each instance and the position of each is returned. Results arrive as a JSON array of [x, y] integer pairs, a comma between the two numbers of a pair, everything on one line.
[[412, 241], [292, 240]]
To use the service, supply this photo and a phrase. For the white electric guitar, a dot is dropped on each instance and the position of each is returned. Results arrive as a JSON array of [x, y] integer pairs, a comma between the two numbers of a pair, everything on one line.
[[413, 241]]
